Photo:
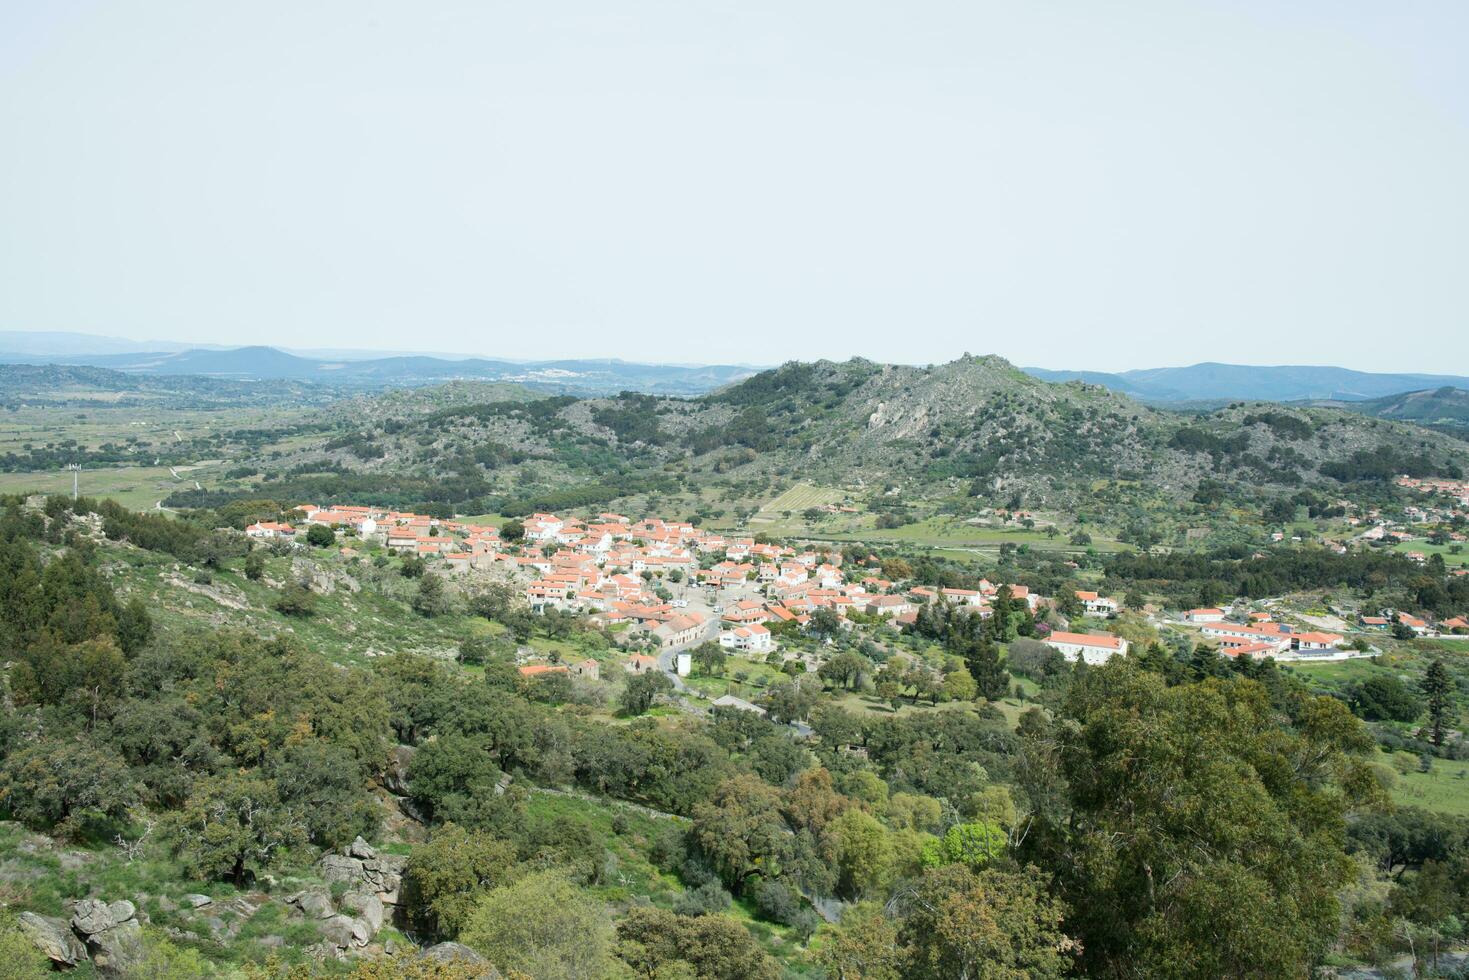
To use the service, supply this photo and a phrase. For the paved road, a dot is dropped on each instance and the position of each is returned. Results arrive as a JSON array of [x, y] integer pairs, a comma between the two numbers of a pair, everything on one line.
[[666, 661]]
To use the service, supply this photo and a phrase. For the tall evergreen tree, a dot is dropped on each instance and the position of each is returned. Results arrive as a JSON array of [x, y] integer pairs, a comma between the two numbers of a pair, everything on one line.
[[1436, 689]]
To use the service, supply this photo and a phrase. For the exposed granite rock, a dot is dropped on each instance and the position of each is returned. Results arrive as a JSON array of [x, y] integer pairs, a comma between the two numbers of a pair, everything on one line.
[[461, 954], [395, 777], [380, 874], [116, 951], [54, 938], [367, 907], [314, 904]]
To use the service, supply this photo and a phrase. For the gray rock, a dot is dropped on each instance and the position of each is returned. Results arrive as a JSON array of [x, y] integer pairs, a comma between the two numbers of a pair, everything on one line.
[[323, 951], [367, 907], [198, 901], [462, 955], [344, 931], [122, 910], [91, 916], [359, 848], [337, 867], [54, 938], [116, 951], [392, 891], [315, 904], [240, 906], [453, 953], [395, 777], [385, 875]]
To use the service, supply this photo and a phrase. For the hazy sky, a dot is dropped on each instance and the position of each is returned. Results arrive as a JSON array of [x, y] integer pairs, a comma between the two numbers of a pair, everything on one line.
[[1068, 183]]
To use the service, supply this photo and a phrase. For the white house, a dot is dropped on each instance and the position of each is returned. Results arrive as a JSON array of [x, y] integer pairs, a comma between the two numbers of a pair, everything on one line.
[[270, 529], [1092, 649], [1204, 615], [754, 638], [1097, 605], [1315, 641]]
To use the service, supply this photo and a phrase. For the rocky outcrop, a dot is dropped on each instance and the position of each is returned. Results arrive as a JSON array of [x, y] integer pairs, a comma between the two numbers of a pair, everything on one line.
[[373, 882], [321, 579], [112, 933], [54, 938], [364, 870], [313, 904], [367, 907]]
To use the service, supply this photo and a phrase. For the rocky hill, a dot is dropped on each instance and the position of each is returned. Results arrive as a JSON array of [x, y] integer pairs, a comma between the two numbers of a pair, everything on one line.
[[977, 427]]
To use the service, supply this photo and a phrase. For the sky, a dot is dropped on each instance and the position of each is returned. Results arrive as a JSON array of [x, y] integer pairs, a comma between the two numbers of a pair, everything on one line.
[[1066, 183]]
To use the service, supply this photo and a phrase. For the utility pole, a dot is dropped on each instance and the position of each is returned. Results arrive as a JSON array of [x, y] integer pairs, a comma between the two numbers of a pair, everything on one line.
[[76, 469]]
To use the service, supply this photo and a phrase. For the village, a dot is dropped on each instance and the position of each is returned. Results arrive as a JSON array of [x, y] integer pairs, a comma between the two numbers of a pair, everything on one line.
[[665, 588]]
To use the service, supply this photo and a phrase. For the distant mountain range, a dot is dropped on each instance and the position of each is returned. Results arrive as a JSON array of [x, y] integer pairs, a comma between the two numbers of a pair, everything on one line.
[[1211, 381], [1198, 384], [590, 377]]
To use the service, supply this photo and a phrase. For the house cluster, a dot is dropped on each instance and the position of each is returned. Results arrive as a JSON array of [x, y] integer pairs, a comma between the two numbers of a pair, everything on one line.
[[1455, 490], [402, 531], [1257, 635], [1383, 621]]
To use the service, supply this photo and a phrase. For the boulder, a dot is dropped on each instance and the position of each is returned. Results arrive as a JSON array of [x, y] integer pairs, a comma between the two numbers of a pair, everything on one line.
[[118, 950], [360, 849], [453, 953], [54, 938], [91, 916], [367, 907], [462, 955], [395, 777], [339, 867], [315, 904], [344, 931], [122, 910], [198, 901]]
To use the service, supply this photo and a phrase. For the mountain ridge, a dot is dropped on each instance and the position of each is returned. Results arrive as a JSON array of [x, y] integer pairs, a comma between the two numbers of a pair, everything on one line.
[[593, 376], [1281, 383]]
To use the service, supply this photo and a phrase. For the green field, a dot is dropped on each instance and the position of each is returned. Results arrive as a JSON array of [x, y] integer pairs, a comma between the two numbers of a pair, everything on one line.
[[1450, 559], [1445, 788], [796, 499], [137, 487]]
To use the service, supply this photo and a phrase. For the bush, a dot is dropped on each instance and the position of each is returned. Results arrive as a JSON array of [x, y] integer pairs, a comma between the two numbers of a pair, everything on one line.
[[296, 600], [321, 536], [710, 898]]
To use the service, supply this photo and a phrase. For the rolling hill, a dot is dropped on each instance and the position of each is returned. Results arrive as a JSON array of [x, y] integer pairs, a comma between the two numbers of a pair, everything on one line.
[[271, 364], [1204, 382], [1441, 407]]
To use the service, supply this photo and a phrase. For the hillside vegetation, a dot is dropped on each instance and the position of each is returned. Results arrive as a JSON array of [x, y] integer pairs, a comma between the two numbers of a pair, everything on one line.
[[908, 441]]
